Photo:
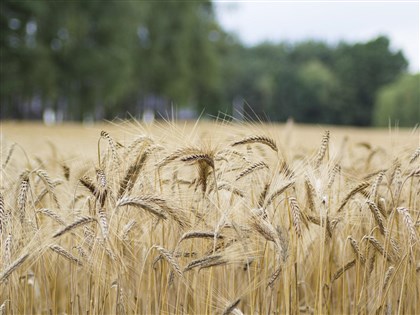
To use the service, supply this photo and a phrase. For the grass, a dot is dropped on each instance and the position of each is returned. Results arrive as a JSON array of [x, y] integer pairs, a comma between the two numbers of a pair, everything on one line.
[[209, 219]]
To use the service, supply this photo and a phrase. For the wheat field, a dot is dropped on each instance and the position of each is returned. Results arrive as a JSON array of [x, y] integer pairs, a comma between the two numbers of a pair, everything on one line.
[[209, 218]]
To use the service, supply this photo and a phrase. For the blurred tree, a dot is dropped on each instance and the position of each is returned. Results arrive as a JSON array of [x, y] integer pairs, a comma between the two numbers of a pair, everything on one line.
[[92, 58], [361, 70], [317, 94], [100, 58], [178, 57], [399, 103]]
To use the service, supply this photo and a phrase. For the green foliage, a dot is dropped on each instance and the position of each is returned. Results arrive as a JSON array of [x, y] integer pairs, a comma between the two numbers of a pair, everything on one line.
[[399, 103], [313, 82], [99, 59]]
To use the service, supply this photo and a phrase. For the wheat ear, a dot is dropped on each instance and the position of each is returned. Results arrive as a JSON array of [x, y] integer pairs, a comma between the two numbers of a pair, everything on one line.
[[252, 168], [277, 192], [229, 309], [81, 221], [354, 191], [323, 148], [415, 155], [257, 139], [170, 259], [64, 253], [296, 216], [8, 156], [7, 272], [377, 215], [23, 190], [52, 215], [342, 270], [3, 216], [408, 221]]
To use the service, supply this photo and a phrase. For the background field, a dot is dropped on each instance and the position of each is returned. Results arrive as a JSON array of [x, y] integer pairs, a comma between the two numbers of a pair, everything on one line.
[[209, 218]]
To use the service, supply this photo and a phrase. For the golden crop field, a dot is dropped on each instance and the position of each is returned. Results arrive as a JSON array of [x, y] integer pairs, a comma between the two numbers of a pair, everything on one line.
[[209, 218]]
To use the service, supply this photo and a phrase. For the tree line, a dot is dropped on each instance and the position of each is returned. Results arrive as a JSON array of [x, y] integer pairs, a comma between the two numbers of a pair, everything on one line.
[[102, 59]]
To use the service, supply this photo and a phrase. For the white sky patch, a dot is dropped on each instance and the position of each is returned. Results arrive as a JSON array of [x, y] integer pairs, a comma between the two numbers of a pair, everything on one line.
[[330, 21]]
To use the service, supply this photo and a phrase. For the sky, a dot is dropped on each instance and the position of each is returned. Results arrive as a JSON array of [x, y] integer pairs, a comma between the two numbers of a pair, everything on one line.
[[330, 21]]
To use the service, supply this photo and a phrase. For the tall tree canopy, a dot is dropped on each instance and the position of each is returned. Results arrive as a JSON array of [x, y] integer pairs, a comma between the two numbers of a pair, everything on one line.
[[100, 59]]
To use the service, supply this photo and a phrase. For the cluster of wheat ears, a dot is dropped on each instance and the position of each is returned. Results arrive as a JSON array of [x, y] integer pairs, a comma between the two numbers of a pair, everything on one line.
[[243, 227]]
